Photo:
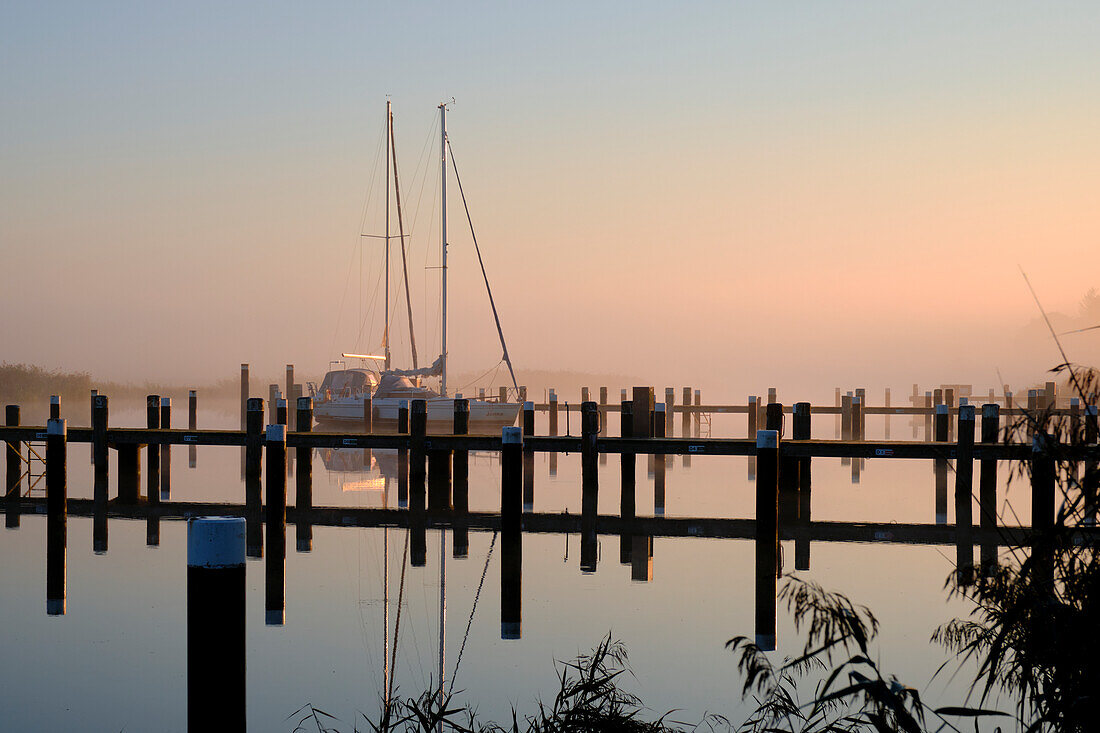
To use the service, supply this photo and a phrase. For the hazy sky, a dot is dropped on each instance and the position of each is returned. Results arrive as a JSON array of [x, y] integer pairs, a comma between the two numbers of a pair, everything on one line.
[[727, 194]]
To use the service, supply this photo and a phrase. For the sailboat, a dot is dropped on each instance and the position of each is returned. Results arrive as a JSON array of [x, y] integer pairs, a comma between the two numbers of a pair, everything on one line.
[[342, 393]]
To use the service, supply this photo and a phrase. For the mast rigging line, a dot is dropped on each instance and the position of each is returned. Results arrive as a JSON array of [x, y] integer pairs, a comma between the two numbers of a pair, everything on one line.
[[480, 261], [473, 610]]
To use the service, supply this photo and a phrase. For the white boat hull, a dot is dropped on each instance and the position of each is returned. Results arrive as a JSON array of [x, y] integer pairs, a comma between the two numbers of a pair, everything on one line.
[[349, 410]]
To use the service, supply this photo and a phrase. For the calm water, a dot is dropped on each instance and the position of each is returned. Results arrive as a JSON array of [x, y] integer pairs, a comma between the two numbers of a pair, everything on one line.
[[117, 659]]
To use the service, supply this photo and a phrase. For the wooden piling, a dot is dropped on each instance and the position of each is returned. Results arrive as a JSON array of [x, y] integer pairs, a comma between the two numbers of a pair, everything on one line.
[[461, 458], [273, 404], [698, 414], [772, 398], [837, 399], [987, 484], [216, 624], [528, 458], [553, 412], [767, 536], [244, 396], [152, 451], [685, 421], [928, 432], [590, 425], [1043, 477], [418, 425], [165, 450], [511, 535], [275, 564], [939, 465], [289, 395], [801, 430], [253, 471], [886, 426], [603, 419], [56, 515], [1091, 483], [303, 479], [13, 492], [280, 411], [846, 422], [659, 462], [670, 398], [643, 412], [627, 503], [55, 407], [964, 491], [192, 424], [403, 456]]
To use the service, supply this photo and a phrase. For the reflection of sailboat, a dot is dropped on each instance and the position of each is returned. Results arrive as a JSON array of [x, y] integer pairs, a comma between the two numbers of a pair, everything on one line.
[[343, 392]]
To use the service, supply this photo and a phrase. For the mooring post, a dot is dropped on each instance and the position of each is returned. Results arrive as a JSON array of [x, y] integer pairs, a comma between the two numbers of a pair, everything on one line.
[[553, 412], [949, 400], [528, 458], [152, 451], [837, 420], [100, 486], [857, 433], [192, 424], [774, 417], [964, 491], [929, 411], [860, 427], [215, 624], [685, 419], [303, 480], [1050, 396], [289, 394], [511, 533], [800, 430], [886, 399], [939, 465], [55, 407], [403, 456], [1032, 411], [91, 410], [659, 462], [987, 485], [244, 396], [590, 490], [1043, 476], [626, 490], [698, 422], [253, 471], [1091, 483], [275, 565], [165, 450], [846, 423], [772, 396], [603, 419], [670, 398], [461, 483], [273, 404], [752, 414], [418, 426], [56, 515], [14, 487], [280, 411], [767, 536]]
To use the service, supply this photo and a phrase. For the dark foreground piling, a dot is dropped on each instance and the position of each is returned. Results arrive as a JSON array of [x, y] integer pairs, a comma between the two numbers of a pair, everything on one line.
[[254, 445], [56, 515], [192, 424], [215, 624], [939, 465], [460, 467], [529, 456], [767, 536], [275, 566], [590, 489], [165, 450], [1091, 482], [987, 485], [55, 407], [418, 426], [403, 456], [14, 484], [964, 491], [1043, 475], [627, 470], [244, 396], [303, 494], [511, 534], [152, 451], [801, 430]]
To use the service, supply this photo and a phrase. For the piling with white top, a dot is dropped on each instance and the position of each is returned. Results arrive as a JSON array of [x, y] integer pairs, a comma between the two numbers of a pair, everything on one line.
[[216, 624]]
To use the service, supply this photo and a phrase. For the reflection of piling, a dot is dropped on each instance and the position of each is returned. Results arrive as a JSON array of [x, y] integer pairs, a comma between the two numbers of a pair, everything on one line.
[[939, 465], [192, 424], [165, 450], [403, 456], [14, 484], [964, 490], [152, 451], [418, 426], [987, 486], [800, 430], [100, 478], [529, 456], [254, 425], [129, 473], [439, 480], [461, 486], [590, 425], [303, 480], [511, 535], [627, 471], [215, 624], [56, 515], [767, 536], [641, 558], [275, 565]]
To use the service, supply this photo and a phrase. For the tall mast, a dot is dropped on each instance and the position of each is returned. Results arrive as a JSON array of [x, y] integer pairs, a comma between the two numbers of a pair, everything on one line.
[[386, 327], [443, 234]]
